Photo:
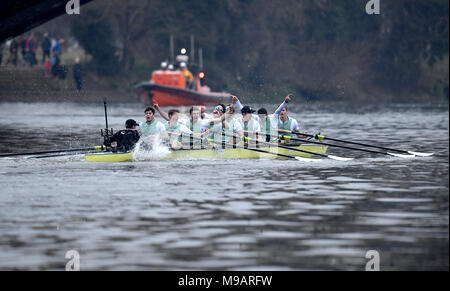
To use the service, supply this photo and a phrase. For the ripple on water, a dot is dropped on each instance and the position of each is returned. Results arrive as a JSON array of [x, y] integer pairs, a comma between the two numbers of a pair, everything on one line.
[[283, 234], [236, 239], [346, 179], [403, 200], [276, 195], [185, 243], [207, 232], [399, 214], [332, 251], [329, 242]]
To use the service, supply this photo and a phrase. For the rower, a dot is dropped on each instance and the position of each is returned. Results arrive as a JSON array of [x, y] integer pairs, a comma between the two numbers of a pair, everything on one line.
[[284, 121], [150, 127], [268, 123], [230, 111], [250, 126], [174, 130], [198, 126], [234, 127], [124, 140], [203, 113], [195, 123], [218, 125], [265, 124]]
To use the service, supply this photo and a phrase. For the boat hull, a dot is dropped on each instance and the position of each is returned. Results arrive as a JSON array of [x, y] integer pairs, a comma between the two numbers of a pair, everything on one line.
[[151, 93], [214, 154]]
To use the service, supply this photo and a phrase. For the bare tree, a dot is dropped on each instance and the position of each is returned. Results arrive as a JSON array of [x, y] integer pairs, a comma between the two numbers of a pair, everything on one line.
[[130, 20]]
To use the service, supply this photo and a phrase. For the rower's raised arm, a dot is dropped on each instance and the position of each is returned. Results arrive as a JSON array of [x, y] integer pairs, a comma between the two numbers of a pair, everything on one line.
[[283, 105], [161, 112], [287, 99], [237, 103]]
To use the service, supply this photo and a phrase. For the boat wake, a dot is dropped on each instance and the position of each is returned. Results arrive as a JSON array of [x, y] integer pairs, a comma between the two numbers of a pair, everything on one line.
[[158, 151]]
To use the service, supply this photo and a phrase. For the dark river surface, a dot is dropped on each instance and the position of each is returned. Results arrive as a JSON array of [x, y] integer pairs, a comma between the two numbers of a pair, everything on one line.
[[225, 214]]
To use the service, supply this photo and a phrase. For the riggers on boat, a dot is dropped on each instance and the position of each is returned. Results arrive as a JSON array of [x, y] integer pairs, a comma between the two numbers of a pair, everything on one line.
[[228, 153]]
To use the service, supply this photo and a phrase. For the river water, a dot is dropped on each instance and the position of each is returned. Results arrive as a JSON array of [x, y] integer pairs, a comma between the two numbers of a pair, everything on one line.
[[225, 214]]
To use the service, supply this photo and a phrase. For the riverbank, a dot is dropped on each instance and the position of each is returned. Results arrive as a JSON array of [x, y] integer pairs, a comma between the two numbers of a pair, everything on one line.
[[25, 84]]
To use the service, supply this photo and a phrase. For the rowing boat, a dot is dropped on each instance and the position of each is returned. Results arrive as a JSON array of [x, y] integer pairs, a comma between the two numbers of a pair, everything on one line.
[[228, 153]]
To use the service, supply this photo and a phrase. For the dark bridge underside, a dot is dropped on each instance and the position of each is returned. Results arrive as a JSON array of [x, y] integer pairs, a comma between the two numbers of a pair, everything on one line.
[[19, 16]]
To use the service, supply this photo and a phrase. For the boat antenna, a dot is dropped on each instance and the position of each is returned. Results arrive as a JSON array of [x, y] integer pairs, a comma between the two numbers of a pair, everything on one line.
[[172, 53], [192, 49], [200, 58]]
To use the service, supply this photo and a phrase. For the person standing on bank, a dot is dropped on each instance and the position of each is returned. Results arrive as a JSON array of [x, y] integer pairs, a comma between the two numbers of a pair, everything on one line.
[[31, 47], [46, 46], [56, 49], [13, 53], [78, 74], [2, 46]]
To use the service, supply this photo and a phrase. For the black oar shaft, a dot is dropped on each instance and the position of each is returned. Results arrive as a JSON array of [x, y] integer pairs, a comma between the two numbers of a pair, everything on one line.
[[96, 148], [299, 150], [60, 155], [286, 147], [365, 145], [332, 145], [347, 141]]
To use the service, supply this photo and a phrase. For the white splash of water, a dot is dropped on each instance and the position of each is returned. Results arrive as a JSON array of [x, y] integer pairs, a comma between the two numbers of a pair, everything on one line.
[[158, 150]]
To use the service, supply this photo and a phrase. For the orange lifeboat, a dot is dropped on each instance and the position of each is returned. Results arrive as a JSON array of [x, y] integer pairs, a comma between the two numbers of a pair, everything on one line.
[[169, 88]]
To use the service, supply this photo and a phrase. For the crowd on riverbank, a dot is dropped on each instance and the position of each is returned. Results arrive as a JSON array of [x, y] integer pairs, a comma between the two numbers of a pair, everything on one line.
[[23, 51]]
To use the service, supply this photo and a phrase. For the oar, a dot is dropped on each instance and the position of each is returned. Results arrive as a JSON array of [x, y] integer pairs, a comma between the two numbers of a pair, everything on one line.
[[258, 150], [246, 148], [60, 155], [287, 138], [298, 150], [96, 148], [322, 137]]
